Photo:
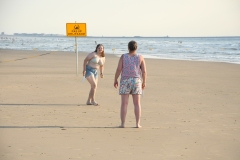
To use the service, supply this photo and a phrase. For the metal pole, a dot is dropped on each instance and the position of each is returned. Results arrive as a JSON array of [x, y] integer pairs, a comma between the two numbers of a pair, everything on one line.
[[76, 44]]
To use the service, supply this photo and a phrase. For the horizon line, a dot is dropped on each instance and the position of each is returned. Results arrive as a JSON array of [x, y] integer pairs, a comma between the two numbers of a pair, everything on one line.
[[62, 35]]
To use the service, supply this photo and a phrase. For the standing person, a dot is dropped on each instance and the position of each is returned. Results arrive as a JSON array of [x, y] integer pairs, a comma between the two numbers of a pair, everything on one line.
[[91, 64], [133, 72]]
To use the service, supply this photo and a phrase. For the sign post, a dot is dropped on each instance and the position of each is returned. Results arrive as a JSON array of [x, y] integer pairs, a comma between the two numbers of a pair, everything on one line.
[[76, 30], [76, 50]]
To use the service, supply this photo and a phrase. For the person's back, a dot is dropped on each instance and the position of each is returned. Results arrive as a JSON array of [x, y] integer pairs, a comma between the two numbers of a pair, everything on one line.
[[131, 66], [133, 79]]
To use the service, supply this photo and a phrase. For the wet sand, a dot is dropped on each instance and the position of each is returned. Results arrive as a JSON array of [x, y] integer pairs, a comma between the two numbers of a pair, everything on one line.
[[190, 110]]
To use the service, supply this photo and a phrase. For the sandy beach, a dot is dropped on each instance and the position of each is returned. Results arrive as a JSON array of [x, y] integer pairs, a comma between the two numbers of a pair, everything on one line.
[[190, 110]]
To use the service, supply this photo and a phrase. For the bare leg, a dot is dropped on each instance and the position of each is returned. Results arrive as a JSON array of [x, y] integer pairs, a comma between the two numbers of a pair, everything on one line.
[[124, 105], [93, 83], [89, 101], [137, 109], [93, 97]]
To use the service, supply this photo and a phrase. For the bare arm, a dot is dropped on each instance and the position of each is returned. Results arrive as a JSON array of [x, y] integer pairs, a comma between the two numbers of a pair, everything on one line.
[[102, 68], [101, 71], [89, 56], [144, 72], [118, 72]]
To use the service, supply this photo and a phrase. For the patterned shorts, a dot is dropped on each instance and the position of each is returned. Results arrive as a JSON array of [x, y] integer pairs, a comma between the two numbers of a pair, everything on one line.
[[130, 86]]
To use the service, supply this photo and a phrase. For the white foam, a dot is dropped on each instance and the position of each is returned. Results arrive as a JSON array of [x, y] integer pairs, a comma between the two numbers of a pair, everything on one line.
[[203, 49]]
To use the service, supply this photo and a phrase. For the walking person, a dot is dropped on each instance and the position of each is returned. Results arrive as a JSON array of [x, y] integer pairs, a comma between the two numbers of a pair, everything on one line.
[[91, 64], [133, 72]]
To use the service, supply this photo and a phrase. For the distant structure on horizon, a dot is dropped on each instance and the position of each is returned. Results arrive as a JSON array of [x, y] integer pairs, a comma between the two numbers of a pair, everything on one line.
[[2, 33], [37, 34]]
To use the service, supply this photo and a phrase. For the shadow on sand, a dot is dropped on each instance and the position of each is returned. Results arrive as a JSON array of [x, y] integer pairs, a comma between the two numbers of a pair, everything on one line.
[[31, 104], [62, 127]]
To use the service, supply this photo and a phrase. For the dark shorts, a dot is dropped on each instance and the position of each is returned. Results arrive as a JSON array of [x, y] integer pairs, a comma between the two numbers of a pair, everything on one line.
[[91, 71]]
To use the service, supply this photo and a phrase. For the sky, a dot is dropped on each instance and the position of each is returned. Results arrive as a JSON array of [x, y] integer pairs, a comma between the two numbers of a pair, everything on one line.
[[175, 18]]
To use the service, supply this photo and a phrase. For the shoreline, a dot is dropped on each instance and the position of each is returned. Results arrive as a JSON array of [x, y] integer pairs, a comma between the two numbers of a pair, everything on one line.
[[198, 49], [118, 55]]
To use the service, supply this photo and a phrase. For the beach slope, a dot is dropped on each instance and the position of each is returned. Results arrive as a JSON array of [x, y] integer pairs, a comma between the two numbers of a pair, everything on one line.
[[190, 110]]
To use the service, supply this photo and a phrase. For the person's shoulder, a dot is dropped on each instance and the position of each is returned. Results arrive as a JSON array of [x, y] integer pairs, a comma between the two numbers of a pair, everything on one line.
[[123, 55], [91, 54], [140, 56]]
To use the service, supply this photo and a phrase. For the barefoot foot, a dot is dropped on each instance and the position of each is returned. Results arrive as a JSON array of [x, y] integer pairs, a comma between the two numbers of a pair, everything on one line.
[[122, 126], [138, 126], [95, 104], [89, 103]]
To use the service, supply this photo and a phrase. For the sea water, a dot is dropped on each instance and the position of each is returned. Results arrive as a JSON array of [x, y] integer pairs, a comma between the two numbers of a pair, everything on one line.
[[218, 49]]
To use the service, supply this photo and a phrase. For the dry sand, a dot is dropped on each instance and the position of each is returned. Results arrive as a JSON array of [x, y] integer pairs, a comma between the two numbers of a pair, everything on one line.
[[190, 110]]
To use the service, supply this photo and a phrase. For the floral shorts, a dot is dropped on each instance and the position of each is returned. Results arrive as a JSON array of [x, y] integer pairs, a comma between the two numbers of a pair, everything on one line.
[[130, 86]]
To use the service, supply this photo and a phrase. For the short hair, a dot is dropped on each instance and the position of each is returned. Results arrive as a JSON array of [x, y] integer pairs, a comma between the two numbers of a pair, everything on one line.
[[132, 46]]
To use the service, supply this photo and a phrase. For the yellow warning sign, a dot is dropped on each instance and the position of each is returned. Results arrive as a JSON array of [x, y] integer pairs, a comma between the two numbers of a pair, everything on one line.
[[76, 29]]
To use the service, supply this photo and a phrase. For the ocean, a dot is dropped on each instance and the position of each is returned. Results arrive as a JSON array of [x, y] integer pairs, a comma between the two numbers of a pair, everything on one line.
[[215, 49]]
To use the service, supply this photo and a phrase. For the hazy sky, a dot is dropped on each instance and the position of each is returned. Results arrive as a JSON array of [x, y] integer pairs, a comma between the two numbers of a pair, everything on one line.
[[123, 17]]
